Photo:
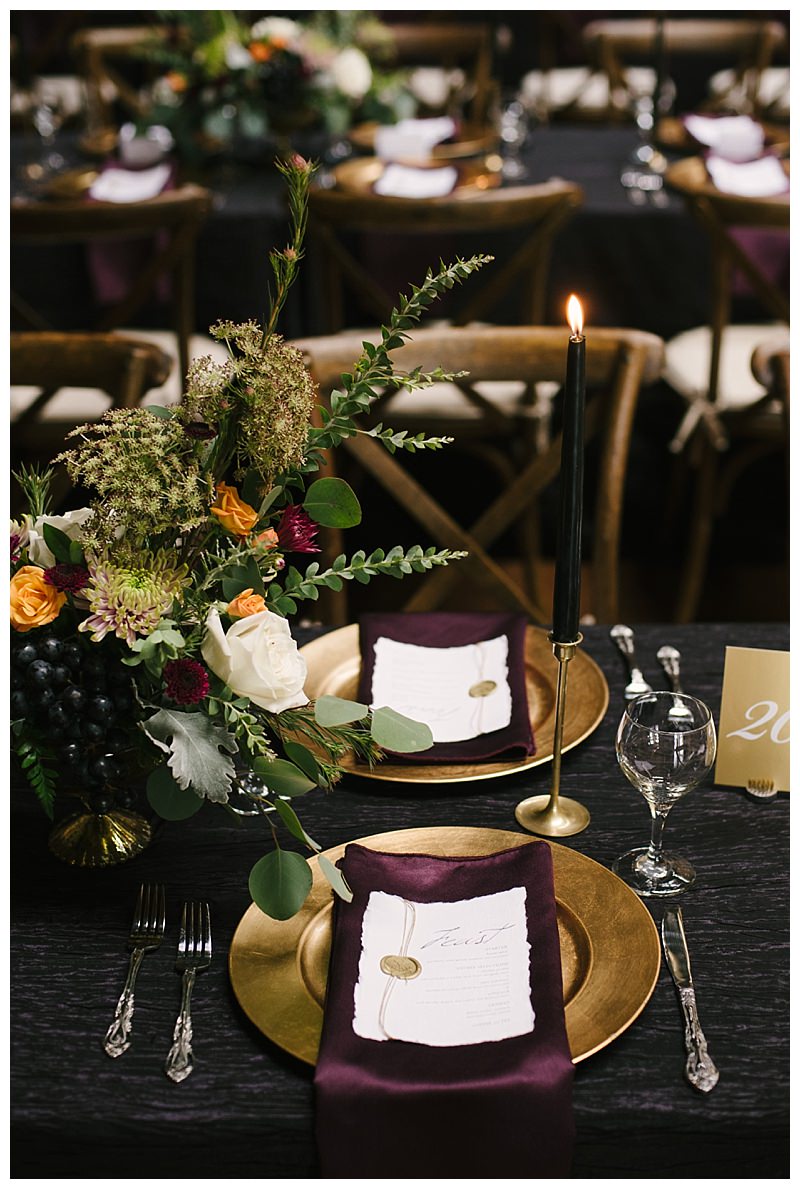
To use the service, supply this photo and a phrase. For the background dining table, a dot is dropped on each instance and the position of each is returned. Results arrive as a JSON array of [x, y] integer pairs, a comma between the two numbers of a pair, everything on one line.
[[248, 1110], [643, 265]]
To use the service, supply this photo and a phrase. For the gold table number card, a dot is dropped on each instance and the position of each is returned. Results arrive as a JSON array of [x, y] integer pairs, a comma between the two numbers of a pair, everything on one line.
[[753, 739]]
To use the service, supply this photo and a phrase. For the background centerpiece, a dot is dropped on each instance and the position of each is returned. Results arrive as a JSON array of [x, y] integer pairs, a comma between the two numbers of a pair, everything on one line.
[[153, 622]]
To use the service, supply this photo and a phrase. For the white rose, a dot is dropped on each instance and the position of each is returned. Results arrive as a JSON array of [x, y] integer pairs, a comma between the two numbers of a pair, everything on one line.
[[351, 73], [71, 524], [276, 29], [258, 659], [237, 57]]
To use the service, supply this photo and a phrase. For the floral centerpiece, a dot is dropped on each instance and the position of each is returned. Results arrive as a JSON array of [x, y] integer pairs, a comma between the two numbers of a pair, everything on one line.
[[223, 76], [154, 621]]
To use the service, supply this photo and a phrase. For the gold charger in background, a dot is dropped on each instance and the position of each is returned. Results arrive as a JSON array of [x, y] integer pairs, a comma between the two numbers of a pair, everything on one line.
[[610, 952], [73, 183], [469, 142], [334, 666], [359, 175]]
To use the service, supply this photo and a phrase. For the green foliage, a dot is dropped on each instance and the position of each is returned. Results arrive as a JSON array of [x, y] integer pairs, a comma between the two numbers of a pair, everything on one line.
[[35, 484], [332, 503], [168, 799], [334, 712], [279, 883], [282, 777], [395, 732], [33, 761], [193, 744], [402, 440]]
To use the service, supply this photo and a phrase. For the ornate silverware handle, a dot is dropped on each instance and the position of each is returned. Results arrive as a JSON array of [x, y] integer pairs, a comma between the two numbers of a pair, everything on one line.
[[179, 1059], [117, 1039], [670, 660], [700, 1069], [623, 638]]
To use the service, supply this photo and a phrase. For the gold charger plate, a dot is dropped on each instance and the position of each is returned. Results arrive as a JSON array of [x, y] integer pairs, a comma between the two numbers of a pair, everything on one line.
[[471, 141], [334, 665], [359, 175], [73, 183], [610, 952]]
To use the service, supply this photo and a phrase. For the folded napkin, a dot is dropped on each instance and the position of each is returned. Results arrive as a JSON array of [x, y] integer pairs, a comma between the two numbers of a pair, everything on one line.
[[403, 181], [764, 178], [115, 184], [500, 1108], [738, 138], [444, 680], [412, 140]]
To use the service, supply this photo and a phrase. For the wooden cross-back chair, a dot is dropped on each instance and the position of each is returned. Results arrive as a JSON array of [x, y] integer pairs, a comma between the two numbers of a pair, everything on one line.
[[99, 54], [618, 363], [73, 378], [446, 44], [169, 223], [531, 215], [731, 419], [749, 45]]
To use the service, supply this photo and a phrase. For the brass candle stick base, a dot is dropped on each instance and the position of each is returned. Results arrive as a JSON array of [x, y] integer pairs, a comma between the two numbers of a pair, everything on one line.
[[550, 815]]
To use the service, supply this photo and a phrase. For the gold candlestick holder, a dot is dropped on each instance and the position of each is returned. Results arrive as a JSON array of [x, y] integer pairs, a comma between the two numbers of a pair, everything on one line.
[[551, 815]]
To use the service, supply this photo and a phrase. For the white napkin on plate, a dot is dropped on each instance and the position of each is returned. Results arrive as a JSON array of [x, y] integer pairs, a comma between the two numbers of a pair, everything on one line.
[[130, 185], [412, 140], [739, 138], [403, 181], [748, 179]]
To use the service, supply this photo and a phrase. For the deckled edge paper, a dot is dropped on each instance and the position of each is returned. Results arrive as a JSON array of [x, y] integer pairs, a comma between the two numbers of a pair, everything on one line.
[[473, 981], [447, 688]]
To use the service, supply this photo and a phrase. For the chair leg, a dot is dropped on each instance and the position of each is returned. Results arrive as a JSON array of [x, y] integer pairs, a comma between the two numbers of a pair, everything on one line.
[[701, 521]]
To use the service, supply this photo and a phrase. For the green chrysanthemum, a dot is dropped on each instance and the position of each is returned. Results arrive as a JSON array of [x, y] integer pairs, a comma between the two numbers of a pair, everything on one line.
[[129, 600]]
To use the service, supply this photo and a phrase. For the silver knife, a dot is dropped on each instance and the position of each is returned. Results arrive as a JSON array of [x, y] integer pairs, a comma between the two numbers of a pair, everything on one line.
[[700, 1069]]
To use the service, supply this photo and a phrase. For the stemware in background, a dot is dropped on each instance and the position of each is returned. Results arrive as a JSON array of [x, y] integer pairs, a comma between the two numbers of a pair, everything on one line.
[[666, 744], [513, 126]]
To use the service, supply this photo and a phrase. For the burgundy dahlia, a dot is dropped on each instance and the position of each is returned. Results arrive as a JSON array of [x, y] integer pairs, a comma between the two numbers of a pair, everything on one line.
[[185, 681], [66, 577], [296, 531]]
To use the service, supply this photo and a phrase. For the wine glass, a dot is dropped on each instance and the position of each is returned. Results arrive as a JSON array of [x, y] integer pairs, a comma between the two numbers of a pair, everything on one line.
[[666, 744], [513, 126]]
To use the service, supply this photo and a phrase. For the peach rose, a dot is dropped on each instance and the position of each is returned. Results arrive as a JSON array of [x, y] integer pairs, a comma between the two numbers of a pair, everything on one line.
[[246, 603], [34, 602], [268, 539], [233, 513]]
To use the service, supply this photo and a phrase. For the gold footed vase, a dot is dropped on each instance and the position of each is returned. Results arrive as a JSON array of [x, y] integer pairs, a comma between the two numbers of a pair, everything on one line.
[[89, 839]]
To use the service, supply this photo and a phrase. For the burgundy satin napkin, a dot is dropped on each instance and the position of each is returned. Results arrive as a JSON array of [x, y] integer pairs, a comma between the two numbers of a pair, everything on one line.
[[444, 629], [397, 1109]]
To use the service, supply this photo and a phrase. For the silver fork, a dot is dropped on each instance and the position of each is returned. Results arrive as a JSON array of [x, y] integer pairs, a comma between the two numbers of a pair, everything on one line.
[[194, 953], [623, 638], [147, 933]]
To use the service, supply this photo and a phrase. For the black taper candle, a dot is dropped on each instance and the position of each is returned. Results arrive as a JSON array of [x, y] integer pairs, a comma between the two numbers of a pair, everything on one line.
[[567, 589]]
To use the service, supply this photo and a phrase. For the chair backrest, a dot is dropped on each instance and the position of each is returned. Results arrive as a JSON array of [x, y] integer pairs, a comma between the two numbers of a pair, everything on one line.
[[109, 365], [449, 45], [171, 223], [618, 363], [748, 44], [526, 217], [721, 215], [98, 52]]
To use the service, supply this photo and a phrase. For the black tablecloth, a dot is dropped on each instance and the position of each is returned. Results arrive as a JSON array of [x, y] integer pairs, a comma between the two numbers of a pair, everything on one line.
[[640, 266], [246, 1111]]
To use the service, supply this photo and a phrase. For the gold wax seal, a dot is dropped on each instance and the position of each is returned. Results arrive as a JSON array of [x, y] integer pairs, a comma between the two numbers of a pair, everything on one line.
[[481, 689], [400, 967]]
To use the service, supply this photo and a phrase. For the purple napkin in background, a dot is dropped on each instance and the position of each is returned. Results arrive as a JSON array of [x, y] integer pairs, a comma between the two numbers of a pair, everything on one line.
[[113, 265], [398, 1109], [444, 629]]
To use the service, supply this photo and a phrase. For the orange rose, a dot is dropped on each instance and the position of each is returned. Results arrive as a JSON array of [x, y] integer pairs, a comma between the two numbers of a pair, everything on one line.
[[233, 513], [177, 82], [33, 601], [247, 603], [260, 52], [268, 539]]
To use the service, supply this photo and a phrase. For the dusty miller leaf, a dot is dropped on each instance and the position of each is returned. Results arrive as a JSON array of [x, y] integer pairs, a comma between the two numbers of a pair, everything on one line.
[[192, 743]]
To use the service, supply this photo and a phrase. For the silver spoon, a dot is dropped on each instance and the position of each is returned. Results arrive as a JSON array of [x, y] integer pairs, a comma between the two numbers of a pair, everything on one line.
[[670, 660], [623, 638]]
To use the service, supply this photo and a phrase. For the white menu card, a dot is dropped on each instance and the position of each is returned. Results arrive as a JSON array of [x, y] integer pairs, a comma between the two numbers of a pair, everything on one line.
[[472, 970]]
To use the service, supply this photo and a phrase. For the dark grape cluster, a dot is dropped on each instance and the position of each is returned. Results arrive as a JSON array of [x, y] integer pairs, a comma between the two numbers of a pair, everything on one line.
[[78, 698]]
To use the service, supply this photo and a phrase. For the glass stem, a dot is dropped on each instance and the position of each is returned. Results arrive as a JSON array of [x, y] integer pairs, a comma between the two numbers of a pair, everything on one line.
[[659, 817]]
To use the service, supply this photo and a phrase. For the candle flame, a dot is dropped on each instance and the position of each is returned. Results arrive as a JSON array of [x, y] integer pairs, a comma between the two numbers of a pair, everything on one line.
[[575, 316]]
